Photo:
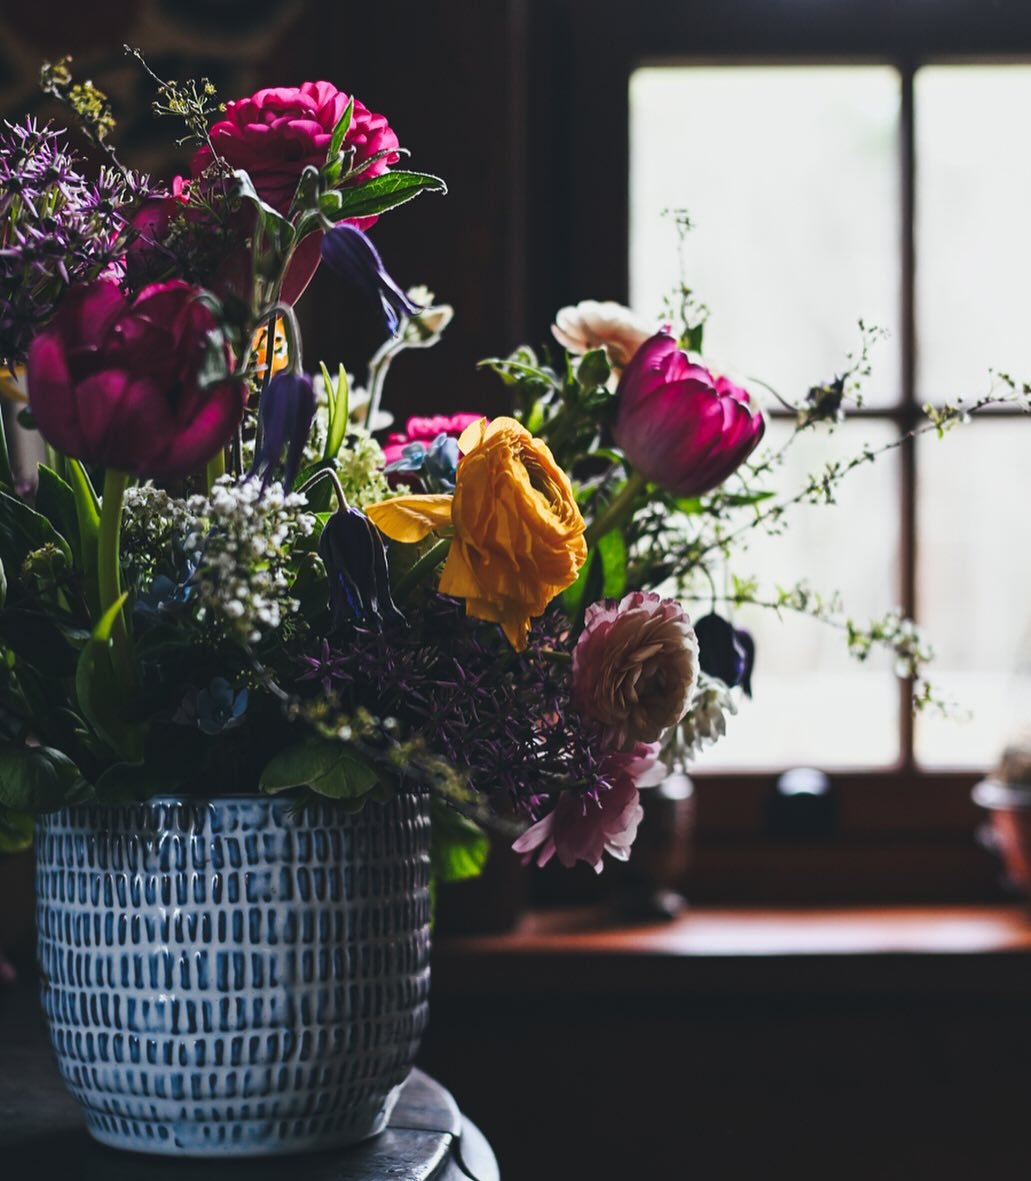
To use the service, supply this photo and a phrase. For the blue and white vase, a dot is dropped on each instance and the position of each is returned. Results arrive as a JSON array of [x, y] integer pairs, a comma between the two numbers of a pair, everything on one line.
[[234, 977]]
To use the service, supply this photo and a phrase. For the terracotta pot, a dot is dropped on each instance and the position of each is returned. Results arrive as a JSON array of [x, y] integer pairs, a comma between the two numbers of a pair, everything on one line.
[[1009, 805]]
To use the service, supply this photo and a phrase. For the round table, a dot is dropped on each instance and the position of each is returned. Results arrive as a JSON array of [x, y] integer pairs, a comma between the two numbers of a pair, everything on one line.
[[42, 1135]]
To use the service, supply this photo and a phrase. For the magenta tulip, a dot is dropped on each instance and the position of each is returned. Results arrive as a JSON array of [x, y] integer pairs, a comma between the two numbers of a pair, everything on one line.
[[678, 424], [121, 384]]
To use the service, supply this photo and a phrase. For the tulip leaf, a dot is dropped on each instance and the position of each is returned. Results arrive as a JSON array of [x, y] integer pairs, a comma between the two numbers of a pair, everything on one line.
[[386, 192], [613, 554], [56, 501], [100, 691], [87, 511], [22, 530], [327, 767], [36, 778], [340, 131], [460, 847], [339, 395]]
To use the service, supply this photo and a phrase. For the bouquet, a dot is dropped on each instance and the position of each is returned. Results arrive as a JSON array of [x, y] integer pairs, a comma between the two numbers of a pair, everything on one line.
[[217, 581]]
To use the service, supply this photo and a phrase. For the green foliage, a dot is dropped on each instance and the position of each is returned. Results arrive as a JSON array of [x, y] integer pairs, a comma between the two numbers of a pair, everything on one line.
[[36, 778], [325, 766], [379, 194], [340, 131], [100, 692], [460, 847], [16, 830]]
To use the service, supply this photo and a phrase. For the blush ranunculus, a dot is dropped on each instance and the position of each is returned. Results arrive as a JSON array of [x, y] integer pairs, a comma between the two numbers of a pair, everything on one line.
[[634, 667], [276, 133], [118, 383], [426, 429], [593, 324], [678, 424], [583, 826]]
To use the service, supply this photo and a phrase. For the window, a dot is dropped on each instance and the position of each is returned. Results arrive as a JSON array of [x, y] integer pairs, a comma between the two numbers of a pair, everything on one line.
[[797, 178]]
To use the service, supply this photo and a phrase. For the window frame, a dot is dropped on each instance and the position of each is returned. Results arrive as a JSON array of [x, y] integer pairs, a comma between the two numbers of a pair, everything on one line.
[[595, 45]]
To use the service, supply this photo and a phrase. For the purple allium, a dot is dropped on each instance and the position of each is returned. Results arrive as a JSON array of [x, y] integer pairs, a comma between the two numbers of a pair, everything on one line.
[[56, 228], [503, 720]]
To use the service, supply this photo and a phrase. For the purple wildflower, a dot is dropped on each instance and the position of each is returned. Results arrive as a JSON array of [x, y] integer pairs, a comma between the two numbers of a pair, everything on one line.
[[56, 228]]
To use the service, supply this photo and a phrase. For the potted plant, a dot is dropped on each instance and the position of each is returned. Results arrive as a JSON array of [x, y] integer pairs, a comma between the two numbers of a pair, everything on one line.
[[251, 661]]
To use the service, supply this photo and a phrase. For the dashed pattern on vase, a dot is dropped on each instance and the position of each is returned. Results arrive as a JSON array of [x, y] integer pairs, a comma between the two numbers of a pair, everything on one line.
[[235, 977]]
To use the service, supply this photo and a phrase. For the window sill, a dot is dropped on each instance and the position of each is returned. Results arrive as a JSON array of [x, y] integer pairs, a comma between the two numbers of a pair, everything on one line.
[[942, 950]]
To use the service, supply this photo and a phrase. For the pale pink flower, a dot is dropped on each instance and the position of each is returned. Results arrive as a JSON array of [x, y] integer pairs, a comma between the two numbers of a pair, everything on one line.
[[591, 324], [585, 825], [634, 668]]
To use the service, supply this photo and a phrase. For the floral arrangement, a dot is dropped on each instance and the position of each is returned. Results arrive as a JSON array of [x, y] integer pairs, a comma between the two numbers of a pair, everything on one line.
[[218, 581]]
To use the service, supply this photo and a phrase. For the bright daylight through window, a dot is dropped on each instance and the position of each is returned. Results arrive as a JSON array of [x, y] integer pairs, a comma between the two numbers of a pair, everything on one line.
[[794, 178]]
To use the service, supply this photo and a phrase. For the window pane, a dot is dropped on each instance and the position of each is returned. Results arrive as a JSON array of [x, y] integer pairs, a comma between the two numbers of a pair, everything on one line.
[[973, 168], [790, 174], [813, 704], [974, 571]]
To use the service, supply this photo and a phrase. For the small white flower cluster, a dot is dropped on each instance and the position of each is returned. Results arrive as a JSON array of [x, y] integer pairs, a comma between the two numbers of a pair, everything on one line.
[[705, 723], [242, 549], [360, 469], [152, 521]]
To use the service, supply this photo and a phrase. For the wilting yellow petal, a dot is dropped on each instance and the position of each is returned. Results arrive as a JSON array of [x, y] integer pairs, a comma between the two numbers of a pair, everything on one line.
[[472, 436], [410, 518], [13, 388]]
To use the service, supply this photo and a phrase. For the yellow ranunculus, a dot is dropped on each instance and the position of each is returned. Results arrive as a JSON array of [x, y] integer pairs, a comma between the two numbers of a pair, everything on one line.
[[518, 534]]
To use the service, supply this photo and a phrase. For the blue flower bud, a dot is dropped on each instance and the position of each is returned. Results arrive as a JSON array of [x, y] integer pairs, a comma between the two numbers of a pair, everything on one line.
[[355, 558], [725, 652], [285, 415], [348, 252]]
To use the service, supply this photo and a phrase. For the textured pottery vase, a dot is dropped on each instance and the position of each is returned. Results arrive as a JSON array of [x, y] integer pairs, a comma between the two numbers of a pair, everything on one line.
[[233, 977]]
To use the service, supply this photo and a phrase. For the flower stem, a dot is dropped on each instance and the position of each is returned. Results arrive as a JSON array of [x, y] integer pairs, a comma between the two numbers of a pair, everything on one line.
[[619, 508], [430, 560], [216, 467], [109, 569]]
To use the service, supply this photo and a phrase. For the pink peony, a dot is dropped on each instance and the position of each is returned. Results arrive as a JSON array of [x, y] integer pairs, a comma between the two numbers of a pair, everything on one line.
[[425, 430], [275, 134], [678, 424], [122, 384], [634, 667], [585, 825]]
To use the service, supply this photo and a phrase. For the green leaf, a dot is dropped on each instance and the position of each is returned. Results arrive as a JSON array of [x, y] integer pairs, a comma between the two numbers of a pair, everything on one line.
[[339, 411], [36, 778], [16, 830], [87, 511], [613, 554], [573, 596], [327, 767], [3, 585], [22, 530], [386, 192], [100, 692], [56, 501], [460, 848], [125, 783], [594, 369], [340, 131]]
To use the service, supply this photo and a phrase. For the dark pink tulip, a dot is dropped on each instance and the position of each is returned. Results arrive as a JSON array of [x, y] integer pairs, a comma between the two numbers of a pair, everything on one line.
[[119, 383], [678, 424]]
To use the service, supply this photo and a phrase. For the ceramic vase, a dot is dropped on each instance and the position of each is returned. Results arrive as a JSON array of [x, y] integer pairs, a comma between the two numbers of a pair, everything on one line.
[[235, 976]]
